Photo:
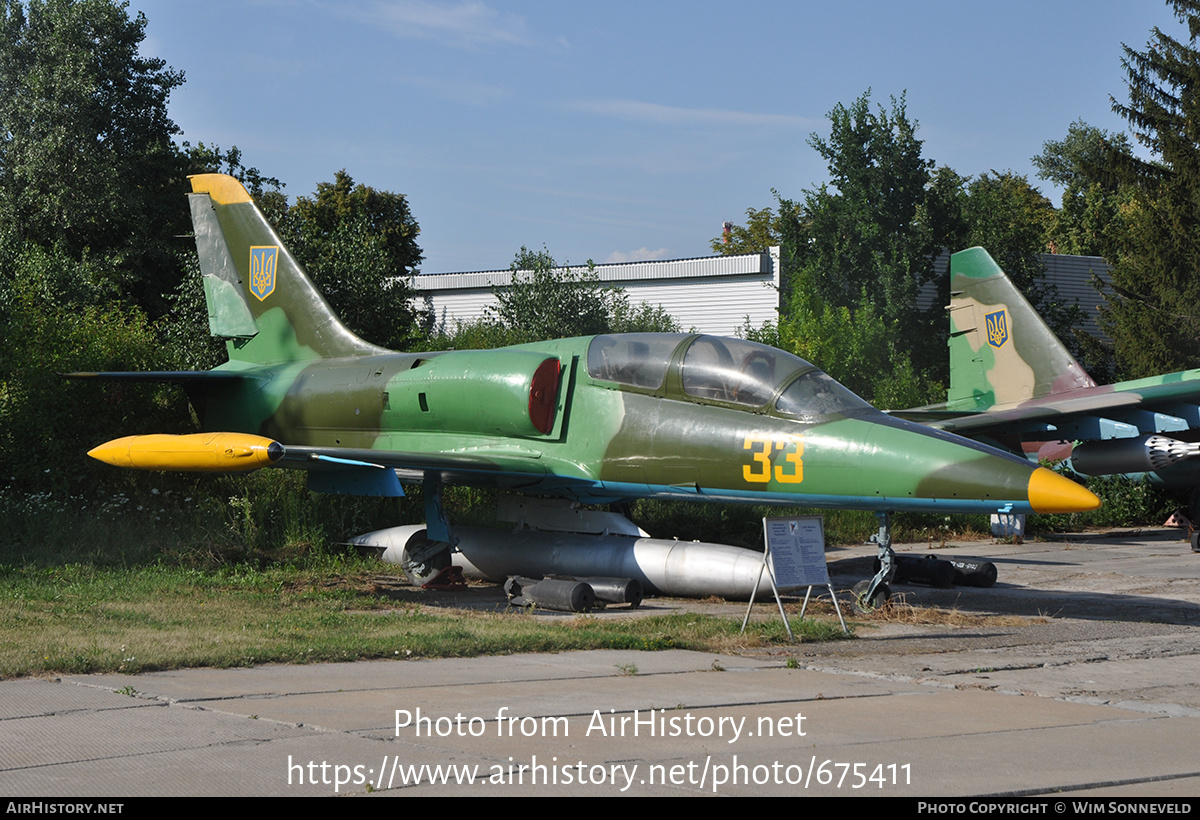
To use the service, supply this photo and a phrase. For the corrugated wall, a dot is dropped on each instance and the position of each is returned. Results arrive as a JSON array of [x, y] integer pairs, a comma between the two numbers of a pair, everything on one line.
[[713, 294], [1075, 276]]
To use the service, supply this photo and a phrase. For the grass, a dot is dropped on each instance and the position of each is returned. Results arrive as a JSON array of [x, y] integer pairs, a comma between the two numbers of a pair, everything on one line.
[[899, 611], [223, 572], [81, 619]]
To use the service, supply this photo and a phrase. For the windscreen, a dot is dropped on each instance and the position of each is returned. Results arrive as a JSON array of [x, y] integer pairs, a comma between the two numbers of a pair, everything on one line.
[[815, 396]]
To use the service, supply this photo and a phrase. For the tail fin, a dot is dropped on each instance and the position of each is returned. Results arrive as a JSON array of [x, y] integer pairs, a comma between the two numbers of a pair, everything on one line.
[[258, 296], [1000, 349]]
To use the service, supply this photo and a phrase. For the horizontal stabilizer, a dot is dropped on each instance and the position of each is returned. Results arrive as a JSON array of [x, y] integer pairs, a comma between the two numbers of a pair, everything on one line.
[[168, 376]]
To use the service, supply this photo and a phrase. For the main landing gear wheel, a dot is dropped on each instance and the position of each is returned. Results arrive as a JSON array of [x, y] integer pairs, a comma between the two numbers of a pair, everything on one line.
[[424, 561], [864, 606]]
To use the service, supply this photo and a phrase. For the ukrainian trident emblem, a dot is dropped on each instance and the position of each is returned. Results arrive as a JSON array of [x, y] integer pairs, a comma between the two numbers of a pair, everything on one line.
[[997, 328], [262, 270]]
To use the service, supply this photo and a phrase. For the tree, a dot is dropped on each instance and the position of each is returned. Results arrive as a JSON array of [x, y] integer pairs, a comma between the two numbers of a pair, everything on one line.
[[359, 245], [857, 232], [1014, 221], [209, 159], [57, 321], [1092, 196], [86, 158], [867, 234], [546, 301], [549, 302], [1010, 218], [1151, 313], [90, 220], [763, 230], [857, 346]]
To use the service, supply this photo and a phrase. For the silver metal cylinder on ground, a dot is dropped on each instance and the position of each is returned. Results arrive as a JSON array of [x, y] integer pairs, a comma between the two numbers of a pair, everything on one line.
[[688, 569]]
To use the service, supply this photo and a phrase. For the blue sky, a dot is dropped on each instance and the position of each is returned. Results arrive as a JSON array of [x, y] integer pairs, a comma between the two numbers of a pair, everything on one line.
[[620, 130]]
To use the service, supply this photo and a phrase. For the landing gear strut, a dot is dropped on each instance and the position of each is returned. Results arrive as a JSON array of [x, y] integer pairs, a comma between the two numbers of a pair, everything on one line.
[[871, 595], [423, 563]]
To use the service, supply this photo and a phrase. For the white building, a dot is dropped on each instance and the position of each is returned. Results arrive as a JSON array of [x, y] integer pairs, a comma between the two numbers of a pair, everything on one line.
[[713, 294]]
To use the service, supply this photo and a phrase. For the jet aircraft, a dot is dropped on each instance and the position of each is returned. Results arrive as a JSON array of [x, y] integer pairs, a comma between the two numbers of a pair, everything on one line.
[[597, 419], [1014, 384]]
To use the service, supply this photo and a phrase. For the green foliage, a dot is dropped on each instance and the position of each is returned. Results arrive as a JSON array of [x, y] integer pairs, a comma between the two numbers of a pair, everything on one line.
[[271, 516], [1091, 194], [640, 318], [857, 232], [856, 345], [1013, 221], [358, 245], [86, 158], [1152, 313], [183, 331], [763, 230], [51, 325], [765, 334], [856, 252], [1009, 218], [549, 302], [866, 232], [546, 301], [209, 159]]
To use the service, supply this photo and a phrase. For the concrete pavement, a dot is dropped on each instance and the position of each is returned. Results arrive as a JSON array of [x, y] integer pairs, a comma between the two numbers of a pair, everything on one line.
[[1098, 699]]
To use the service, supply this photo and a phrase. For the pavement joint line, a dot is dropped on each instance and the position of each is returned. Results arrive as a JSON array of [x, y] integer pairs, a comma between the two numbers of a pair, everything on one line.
[[1099, 784], [134, 755], [87, 710], [448, 685], [1163, 709], [1149, 708]]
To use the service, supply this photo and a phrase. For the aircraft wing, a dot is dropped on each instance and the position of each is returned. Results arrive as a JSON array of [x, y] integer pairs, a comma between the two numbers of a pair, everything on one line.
[[1044, 416], [1153, 405]]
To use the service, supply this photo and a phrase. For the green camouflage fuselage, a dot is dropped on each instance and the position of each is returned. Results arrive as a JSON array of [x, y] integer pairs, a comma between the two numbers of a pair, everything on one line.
[[608, 441]]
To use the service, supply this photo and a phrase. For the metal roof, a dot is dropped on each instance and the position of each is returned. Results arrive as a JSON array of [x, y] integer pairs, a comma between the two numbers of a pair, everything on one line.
[[703, 266]]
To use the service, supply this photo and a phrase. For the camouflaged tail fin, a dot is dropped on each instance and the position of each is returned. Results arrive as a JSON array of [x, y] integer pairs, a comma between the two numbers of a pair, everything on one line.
[[259, 298], [1000, 349]]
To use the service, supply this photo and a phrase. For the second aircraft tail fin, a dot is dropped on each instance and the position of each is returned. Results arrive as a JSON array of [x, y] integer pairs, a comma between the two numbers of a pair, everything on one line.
[[1001, 351]]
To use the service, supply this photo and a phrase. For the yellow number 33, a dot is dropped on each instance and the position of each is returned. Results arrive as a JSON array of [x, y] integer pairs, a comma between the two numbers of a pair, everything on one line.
[[758, 471]]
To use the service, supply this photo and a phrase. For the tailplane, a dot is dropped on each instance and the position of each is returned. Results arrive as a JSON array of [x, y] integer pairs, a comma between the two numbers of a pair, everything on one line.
[[1001, 352], [259, 298]]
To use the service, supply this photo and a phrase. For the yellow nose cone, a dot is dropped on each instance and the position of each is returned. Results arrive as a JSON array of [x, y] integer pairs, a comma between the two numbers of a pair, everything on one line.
[[1051, 493]]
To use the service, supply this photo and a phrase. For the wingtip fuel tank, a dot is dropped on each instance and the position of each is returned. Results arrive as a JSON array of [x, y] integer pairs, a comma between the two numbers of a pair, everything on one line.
[[197, 452]]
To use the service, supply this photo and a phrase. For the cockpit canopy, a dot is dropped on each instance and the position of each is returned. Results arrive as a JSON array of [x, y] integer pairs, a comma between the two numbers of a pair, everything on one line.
[[717, 369]]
